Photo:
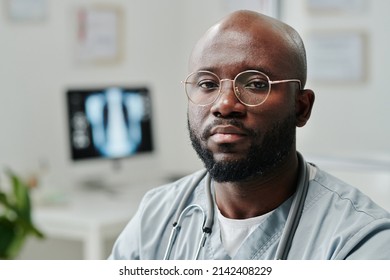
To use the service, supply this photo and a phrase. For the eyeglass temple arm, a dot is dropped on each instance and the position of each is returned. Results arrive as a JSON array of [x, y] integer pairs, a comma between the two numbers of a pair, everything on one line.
[[287, 81]]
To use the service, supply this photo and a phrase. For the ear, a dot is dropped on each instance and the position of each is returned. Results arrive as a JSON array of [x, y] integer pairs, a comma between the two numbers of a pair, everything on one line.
[[304, 105]]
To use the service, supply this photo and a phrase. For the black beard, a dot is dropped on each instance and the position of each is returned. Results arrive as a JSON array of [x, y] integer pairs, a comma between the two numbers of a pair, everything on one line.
[[261, 158]]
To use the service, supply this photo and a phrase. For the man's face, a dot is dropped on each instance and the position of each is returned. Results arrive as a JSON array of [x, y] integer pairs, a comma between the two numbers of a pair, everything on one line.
[[237, 142]]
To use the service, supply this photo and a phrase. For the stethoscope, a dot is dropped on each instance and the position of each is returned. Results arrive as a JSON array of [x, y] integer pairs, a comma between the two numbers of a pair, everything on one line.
[[290, 227]]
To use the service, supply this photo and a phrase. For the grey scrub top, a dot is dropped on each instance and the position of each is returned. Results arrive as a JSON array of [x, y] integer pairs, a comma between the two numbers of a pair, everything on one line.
[[338, 222]]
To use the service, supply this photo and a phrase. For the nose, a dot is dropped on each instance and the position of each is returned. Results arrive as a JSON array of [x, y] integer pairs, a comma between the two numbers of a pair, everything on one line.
[[227, 103]]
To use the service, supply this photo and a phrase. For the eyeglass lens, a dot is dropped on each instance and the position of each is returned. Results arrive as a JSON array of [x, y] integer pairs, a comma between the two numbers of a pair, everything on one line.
[[250, 87]]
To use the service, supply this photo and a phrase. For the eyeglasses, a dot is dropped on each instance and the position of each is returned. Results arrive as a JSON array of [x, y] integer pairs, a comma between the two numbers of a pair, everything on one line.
[[251, 87]]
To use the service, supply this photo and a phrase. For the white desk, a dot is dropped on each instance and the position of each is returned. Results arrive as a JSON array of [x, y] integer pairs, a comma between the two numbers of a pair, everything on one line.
[[91, 217]]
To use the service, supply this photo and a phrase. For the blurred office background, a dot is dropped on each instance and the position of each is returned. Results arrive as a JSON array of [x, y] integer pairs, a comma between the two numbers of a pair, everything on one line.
[[48, 47]]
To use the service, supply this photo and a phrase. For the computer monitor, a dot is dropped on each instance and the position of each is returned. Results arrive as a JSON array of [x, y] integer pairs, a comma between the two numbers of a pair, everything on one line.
[[109, 122]]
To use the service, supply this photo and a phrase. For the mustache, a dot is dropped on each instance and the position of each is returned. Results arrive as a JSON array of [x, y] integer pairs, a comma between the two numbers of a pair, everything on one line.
[[233, 122]]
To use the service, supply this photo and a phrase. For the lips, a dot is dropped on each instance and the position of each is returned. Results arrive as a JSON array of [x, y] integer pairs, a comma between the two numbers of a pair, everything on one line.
[[227, 134]]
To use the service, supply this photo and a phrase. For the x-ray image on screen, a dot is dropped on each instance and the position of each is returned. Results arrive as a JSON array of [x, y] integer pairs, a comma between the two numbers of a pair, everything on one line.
[[111, 123]]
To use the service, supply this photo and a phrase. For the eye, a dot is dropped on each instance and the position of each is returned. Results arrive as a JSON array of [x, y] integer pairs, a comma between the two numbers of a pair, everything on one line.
[[208, 84], [257, 85], [252, 82]]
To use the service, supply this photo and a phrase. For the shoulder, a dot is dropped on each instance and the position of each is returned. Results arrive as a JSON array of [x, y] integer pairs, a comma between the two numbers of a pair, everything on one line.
[[344, 195], [168, 196], [176, 188], [142, 237], [347, 219]]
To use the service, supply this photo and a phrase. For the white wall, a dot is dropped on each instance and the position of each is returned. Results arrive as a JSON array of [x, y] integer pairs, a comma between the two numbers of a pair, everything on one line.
[[38, 64], [351, 119], [348, 133]]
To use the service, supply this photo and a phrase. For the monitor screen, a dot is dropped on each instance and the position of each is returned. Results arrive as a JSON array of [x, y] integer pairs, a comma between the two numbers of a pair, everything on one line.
[[111, 122]]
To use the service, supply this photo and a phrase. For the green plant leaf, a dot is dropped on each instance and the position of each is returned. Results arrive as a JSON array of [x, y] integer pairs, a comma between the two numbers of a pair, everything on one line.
[[21, 194], [7, 233], [15, 221], [4, 200]]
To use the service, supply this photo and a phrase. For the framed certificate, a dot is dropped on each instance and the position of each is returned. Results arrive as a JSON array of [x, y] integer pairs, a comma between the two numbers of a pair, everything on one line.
[[99, 37], [337, 6], [26, 10], [337, 56]]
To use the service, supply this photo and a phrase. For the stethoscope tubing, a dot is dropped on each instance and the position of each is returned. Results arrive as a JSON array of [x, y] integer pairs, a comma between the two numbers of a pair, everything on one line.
[[177, 227], [295, 212], [208, 220]]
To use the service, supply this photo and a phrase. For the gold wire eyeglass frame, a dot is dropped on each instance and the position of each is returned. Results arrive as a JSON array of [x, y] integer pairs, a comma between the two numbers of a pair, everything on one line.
[[236, 92]]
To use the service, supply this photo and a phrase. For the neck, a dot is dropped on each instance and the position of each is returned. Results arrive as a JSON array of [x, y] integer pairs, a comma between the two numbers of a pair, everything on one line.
[[255, 197]]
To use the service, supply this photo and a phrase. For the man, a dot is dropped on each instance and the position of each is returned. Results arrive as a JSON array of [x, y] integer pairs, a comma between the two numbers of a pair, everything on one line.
[[246, 98]]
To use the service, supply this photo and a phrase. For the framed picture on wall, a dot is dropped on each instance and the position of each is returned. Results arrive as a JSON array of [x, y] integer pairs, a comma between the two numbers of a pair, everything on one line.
[[99, 34], [26, 10], [337, 6], [338, 56]]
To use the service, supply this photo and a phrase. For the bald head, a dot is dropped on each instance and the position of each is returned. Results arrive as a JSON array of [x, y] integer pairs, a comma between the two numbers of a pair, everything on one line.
[[258, 36]]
